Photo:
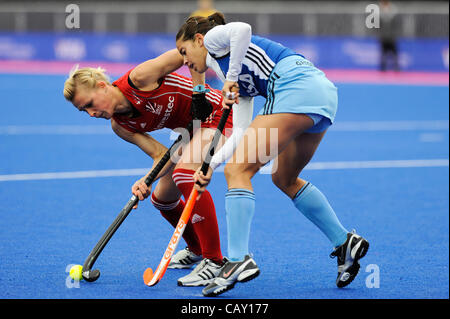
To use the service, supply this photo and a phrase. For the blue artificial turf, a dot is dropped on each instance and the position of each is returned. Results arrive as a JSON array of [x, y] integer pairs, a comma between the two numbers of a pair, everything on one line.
[[46, 225]]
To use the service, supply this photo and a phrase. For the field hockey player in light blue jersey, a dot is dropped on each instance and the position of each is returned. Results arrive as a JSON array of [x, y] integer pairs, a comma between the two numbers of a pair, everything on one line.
[[301, 104]]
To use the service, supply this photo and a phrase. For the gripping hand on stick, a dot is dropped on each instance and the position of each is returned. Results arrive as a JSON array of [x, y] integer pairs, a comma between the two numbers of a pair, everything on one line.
[[230, 92], [141, 190], [202, 181]]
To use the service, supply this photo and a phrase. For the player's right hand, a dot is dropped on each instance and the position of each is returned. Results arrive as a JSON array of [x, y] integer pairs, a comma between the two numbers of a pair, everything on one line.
[[202, 181], [140, 190]]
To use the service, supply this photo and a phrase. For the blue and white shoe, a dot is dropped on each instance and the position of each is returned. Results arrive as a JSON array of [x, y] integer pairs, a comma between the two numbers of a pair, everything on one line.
[[232, 272], [349, 254]]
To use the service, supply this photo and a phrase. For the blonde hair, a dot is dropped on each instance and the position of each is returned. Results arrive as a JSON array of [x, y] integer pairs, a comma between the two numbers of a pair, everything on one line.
[[86, 77]]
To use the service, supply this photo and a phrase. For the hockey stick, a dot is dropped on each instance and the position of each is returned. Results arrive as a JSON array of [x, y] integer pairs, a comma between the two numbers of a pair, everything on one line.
[[151, 278], [92, 275]]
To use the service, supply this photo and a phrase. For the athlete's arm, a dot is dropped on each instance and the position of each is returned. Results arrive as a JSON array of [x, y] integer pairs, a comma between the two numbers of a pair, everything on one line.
[[146, 74], [233, 38], [242, 117], [146, 143]]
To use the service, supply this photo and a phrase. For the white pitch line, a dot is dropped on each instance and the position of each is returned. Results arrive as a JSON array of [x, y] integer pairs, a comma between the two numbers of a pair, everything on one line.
[[379, 164], [70, 175], [59, 130], [55, 129], [349, 126], [391, 126], [265, 170], [368, 164]]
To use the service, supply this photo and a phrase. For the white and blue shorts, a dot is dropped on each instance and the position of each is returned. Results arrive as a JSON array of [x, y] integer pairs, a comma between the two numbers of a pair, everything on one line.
[[296, 86]]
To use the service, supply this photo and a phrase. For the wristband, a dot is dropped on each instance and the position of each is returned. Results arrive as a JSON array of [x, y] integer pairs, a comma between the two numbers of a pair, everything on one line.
[[200, 89]]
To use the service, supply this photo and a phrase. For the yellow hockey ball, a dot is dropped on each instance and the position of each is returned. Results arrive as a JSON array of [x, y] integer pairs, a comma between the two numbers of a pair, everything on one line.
[[75, 272]]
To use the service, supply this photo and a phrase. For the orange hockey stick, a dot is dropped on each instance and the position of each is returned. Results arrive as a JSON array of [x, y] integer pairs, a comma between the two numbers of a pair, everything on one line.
[[151, 278]]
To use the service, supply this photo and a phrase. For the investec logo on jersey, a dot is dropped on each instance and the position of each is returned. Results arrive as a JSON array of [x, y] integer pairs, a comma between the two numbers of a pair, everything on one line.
[[167, 112], [153, 107]]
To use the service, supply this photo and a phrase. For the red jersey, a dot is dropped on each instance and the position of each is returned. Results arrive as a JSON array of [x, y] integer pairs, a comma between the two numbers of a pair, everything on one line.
[[167, 106]]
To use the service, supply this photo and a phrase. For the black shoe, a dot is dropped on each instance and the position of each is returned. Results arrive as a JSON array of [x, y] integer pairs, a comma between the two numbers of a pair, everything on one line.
[[232, 272], [349, 254]]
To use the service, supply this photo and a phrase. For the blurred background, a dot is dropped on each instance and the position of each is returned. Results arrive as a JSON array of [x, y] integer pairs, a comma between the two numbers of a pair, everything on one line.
[[372, 35]]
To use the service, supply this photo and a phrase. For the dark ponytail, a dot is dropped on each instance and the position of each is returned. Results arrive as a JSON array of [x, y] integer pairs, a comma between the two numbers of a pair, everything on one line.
[[217, 18], [200, 25]]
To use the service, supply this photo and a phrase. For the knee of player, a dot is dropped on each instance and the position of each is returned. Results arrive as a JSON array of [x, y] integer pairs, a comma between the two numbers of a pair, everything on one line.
[[164, 205], [277, 181], [283, 182], [155, 201], [239, 171], [229, 171]]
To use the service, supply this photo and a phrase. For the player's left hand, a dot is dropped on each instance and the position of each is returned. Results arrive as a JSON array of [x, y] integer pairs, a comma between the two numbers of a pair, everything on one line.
[[230, 92], [202, 181]]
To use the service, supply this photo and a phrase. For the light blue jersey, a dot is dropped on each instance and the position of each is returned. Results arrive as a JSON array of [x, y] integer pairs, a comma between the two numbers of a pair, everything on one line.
[[289, 82], [261, 57]]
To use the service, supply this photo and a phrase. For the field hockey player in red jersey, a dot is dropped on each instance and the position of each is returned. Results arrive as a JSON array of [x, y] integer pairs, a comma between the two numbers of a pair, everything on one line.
[[151, 97]]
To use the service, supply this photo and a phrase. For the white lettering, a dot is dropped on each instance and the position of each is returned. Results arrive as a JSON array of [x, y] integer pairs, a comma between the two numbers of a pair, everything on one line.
[[73, 19], [245, 308], [373, 279], [373, 19], [167, 113], [198, 309]]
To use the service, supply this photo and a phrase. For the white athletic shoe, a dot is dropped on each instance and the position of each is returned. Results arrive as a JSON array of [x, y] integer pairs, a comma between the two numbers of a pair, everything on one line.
[[202, 275], [232, 272], [184, 259]]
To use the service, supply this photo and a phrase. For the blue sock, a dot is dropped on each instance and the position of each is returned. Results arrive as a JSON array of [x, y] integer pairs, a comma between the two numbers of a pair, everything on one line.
[[240, 208], [313, 204]]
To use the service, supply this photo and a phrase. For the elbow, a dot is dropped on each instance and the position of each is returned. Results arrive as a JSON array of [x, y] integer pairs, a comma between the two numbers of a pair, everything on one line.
[[121, 132], [249, 32], [159, 154], [248, 28], [241, 30], [138, 79]]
